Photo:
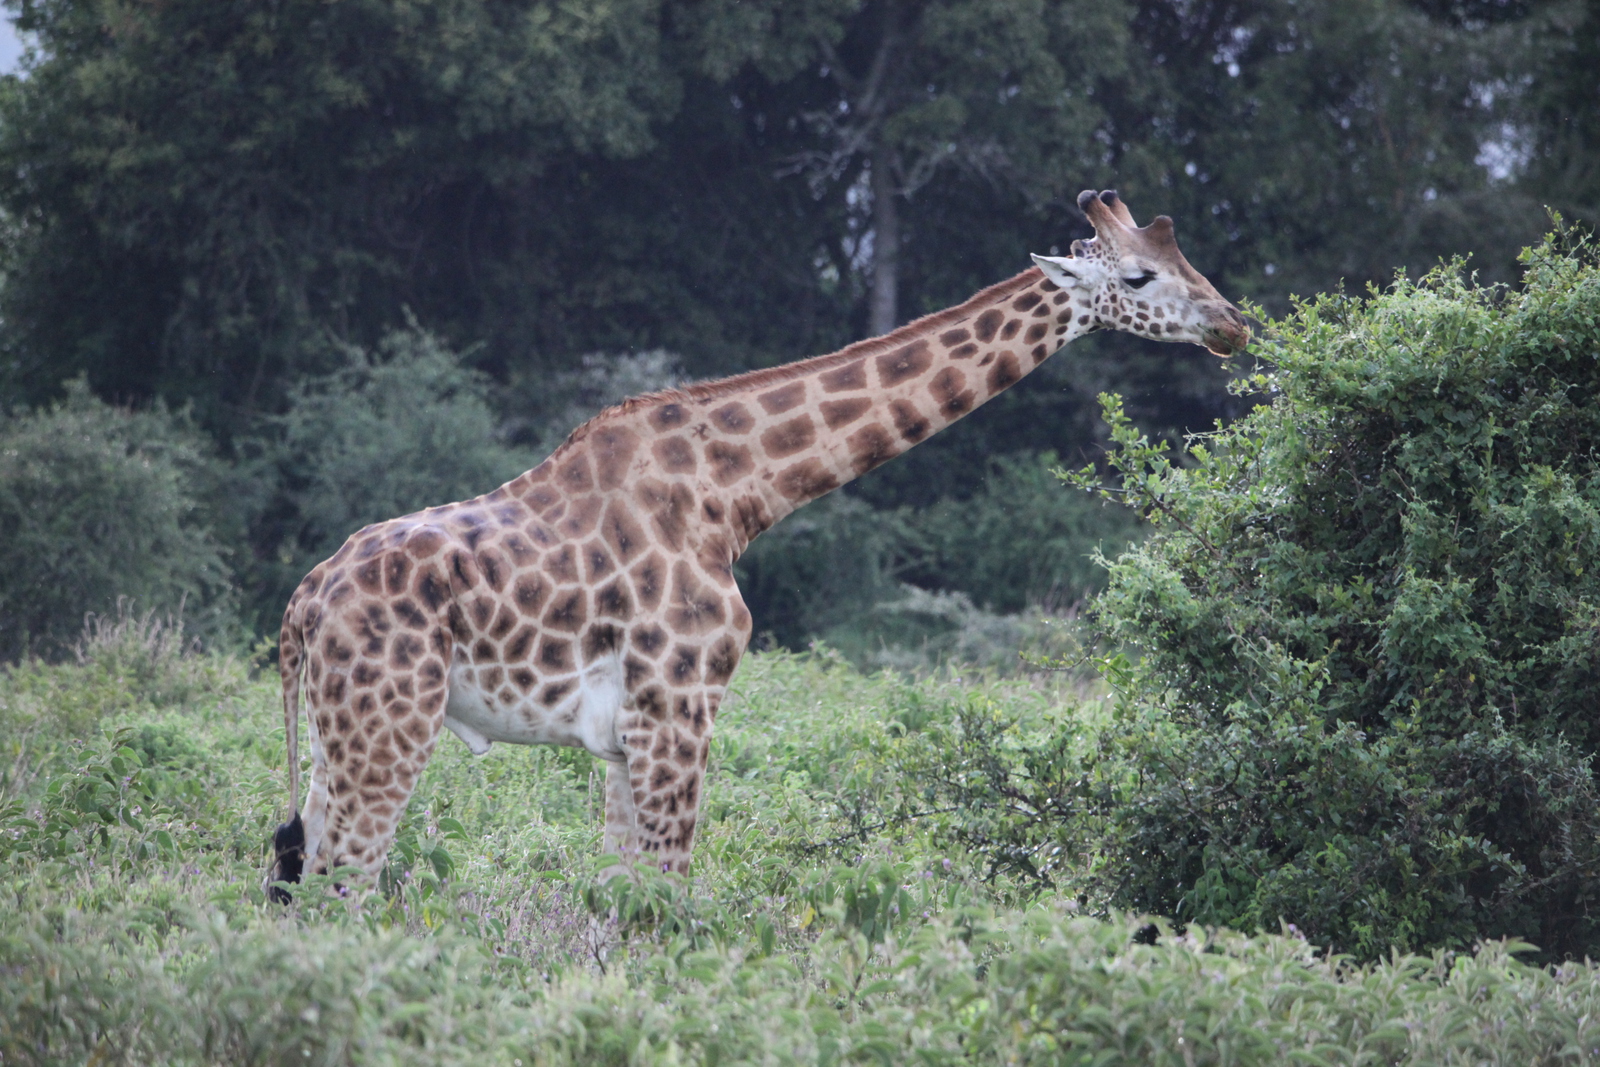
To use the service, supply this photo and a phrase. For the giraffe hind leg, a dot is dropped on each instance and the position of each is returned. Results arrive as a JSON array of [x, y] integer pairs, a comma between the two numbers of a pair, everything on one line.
[[371, 739]]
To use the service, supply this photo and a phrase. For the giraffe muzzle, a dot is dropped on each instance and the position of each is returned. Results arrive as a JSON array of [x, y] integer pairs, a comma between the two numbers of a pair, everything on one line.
[[1227, 334]]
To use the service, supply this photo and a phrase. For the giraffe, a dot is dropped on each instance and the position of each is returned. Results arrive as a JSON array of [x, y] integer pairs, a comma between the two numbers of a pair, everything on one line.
[[591, 601]]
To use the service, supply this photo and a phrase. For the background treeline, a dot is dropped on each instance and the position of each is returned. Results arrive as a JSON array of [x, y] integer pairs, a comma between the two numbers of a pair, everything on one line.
[[316, 264]]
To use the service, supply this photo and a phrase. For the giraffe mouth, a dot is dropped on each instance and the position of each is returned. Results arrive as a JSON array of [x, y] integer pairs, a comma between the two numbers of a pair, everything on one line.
[[1227, 337]]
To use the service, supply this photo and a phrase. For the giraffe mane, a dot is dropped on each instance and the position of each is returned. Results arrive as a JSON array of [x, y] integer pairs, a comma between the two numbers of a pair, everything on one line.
[[718, 388]]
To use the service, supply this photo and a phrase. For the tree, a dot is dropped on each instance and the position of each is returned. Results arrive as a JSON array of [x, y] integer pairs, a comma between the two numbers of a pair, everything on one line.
[[1554, 139], [205, 197], [210, 202], [902, 90], [204, 200], [1305, 145]]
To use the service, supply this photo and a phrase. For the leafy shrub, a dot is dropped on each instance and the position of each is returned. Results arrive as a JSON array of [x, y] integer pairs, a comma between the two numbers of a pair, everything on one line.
[[821, 569], [173, 986], [130, 663], [1019, 542], [961, 580], [107, 811], [393, 432], [1368, 625], [99, 503]]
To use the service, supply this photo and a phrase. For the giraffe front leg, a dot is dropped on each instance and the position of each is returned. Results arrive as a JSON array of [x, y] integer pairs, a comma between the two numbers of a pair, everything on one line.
[[653, 800]]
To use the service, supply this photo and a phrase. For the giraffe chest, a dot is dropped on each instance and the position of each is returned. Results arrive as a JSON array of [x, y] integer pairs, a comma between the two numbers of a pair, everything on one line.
[[585, 717]]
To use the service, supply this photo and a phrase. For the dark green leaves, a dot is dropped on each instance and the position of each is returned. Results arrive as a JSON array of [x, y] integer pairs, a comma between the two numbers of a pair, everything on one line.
[[98, 503], [1365, 703]]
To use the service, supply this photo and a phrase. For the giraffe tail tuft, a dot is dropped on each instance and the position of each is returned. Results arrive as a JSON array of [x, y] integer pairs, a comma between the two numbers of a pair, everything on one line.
[[289, 848]]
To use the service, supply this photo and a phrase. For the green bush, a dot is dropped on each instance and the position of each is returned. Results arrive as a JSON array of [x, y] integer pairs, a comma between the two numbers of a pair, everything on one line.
[[823, 568], [175, 986], [911, 587], [1020, 541], [1368, 621], [395, 431], [99, 503]]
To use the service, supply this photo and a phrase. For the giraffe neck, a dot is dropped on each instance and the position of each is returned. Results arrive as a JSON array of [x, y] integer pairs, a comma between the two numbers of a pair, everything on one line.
[[716, 463]]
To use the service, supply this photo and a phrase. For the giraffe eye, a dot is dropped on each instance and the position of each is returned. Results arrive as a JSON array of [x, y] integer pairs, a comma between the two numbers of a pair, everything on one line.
[[1141, 281]]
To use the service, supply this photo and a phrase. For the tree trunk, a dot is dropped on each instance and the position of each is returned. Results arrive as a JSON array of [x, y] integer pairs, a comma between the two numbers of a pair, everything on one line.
[[885, 312]]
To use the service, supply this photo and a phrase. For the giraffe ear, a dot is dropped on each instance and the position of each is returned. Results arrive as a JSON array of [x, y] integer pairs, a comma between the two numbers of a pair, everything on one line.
[[1060, 270]]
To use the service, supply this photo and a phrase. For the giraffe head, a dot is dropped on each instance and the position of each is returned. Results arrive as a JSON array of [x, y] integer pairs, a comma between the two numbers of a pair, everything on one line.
[[1138, 281]]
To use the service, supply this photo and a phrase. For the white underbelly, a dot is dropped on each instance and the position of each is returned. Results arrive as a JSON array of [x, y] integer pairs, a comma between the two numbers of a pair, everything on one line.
[[584, 718]]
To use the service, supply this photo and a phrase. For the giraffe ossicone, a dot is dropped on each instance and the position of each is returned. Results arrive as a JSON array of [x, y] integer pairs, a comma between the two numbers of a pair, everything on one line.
[[591, 601]]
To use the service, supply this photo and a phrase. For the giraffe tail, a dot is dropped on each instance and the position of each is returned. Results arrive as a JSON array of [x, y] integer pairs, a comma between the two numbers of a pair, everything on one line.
[[291, 647], [288, 843]]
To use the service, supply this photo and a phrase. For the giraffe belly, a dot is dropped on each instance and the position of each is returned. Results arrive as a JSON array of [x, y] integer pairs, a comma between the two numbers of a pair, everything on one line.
[[585, 718]]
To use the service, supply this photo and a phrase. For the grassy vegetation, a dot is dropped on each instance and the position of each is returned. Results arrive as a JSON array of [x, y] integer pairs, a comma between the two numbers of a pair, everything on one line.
[[842, 907]]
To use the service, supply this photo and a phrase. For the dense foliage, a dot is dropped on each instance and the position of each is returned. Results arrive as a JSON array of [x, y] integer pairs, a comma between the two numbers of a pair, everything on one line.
[[1367, 621], [1016, 546], [203, 200], [394, 431], [1016, 543], [99, 504], [214, 204], [140, 785]]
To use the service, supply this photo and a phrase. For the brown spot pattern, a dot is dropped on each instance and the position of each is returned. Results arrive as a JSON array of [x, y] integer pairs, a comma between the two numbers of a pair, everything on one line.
[[780, 400], [675, 454], [837, 413], [849, 376], [907, 363], [1005, 372], [733, 418], [806, 480], [870, 446], [949, 391], [728, 462], [911, 423], [988, 325], [790, 437]]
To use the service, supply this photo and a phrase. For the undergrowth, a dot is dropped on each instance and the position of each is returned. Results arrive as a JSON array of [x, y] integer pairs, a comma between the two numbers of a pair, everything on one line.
[[857, 897]]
